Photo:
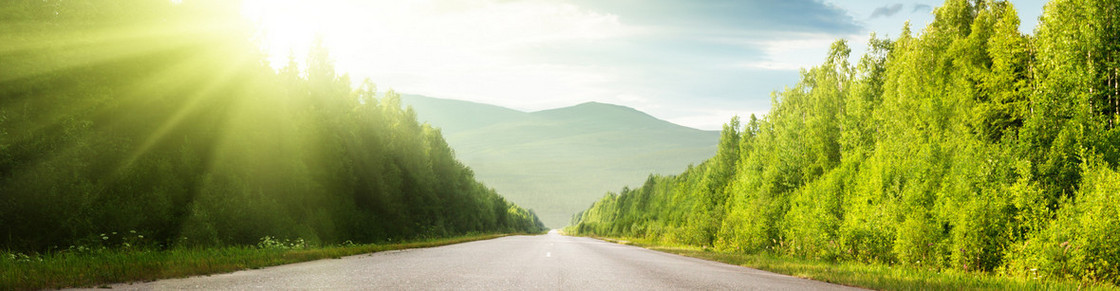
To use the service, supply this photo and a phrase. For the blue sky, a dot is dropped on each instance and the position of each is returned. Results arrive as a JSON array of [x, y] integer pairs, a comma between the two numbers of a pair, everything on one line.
[[695, 63]]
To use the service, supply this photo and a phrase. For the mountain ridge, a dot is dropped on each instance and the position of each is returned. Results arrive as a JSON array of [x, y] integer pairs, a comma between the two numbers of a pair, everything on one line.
[[557, 161]]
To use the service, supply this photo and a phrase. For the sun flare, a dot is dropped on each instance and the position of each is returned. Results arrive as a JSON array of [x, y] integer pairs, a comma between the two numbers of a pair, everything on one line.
[[288, 28]]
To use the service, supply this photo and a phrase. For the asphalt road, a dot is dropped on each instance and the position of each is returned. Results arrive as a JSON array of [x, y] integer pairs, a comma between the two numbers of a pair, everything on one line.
[[543, 262]]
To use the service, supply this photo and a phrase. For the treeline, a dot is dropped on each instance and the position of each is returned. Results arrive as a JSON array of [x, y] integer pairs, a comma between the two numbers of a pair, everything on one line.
[[970, 146], [164, 121]]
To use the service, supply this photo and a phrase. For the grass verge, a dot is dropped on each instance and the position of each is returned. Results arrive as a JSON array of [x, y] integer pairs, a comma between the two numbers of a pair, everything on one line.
[[872, 276], [105, 267]]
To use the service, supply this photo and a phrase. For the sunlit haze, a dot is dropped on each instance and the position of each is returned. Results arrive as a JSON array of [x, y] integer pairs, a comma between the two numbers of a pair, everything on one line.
[[685, 144], [695, 64]]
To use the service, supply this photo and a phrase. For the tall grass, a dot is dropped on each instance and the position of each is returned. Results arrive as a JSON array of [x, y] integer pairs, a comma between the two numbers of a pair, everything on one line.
[[872, 276], [92, 268]]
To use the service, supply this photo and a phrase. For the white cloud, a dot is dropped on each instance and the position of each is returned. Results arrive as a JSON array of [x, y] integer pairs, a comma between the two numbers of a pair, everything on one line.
[[542, 54], [792, 54], [465, 49]]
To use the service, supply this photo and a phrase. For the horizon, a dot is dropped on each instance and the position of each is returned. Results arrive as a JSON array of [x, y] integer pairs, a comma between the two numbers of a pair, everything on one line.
[[405, 94]]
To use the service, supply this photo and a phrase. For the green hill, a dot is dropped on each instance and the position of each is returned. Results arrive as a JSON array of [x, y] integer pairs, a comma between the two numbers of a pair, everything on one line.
[[559, 161]]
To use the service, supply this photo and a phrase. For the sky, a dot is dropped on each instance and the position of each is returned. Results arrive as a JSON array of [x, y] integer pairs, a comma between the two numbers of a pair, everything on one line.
[[694, 63]]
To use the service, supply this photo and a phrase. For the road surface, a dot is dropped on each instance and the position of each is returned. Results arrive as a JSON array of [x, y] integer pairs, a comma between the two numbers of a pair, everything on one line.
[[543, 262]]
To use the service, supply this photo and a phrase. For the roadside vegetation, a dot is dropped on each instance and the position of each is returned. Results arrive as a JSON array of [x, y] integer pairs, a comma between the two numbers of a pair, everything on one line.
[[969, 148], [142, 139], [870, 275], [101, 267], [164, 118]]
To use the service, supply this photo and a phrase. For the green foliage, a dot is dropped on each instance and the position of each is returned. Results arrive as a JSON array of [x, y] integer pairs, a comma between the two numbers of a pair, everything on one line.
[[1083, 241], [20, 271], [879, 276], [164, 118], [271, 243], [971, 147]]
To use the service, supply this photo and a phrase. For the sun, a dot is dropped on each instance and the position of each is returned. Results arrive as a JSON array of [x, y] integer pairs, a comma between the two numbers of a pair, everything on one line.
[[351, 30], [288, 28]]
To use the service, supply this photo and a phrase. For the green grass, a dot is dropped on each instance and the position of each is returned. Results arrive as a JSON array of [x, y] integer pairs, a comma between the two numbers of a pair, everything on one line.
[[873, 276], [100, 268]]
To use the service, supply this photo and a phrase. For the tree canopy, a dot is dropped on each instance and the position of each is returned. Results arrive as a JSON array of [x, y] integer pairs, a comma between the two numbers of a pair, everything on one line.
[[163, 118]]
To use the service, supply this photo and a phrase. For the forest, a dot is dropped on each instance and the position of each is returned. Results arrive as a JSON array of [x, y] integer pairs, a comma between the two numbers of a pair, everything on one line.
[[968, 146], [161, 124]]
